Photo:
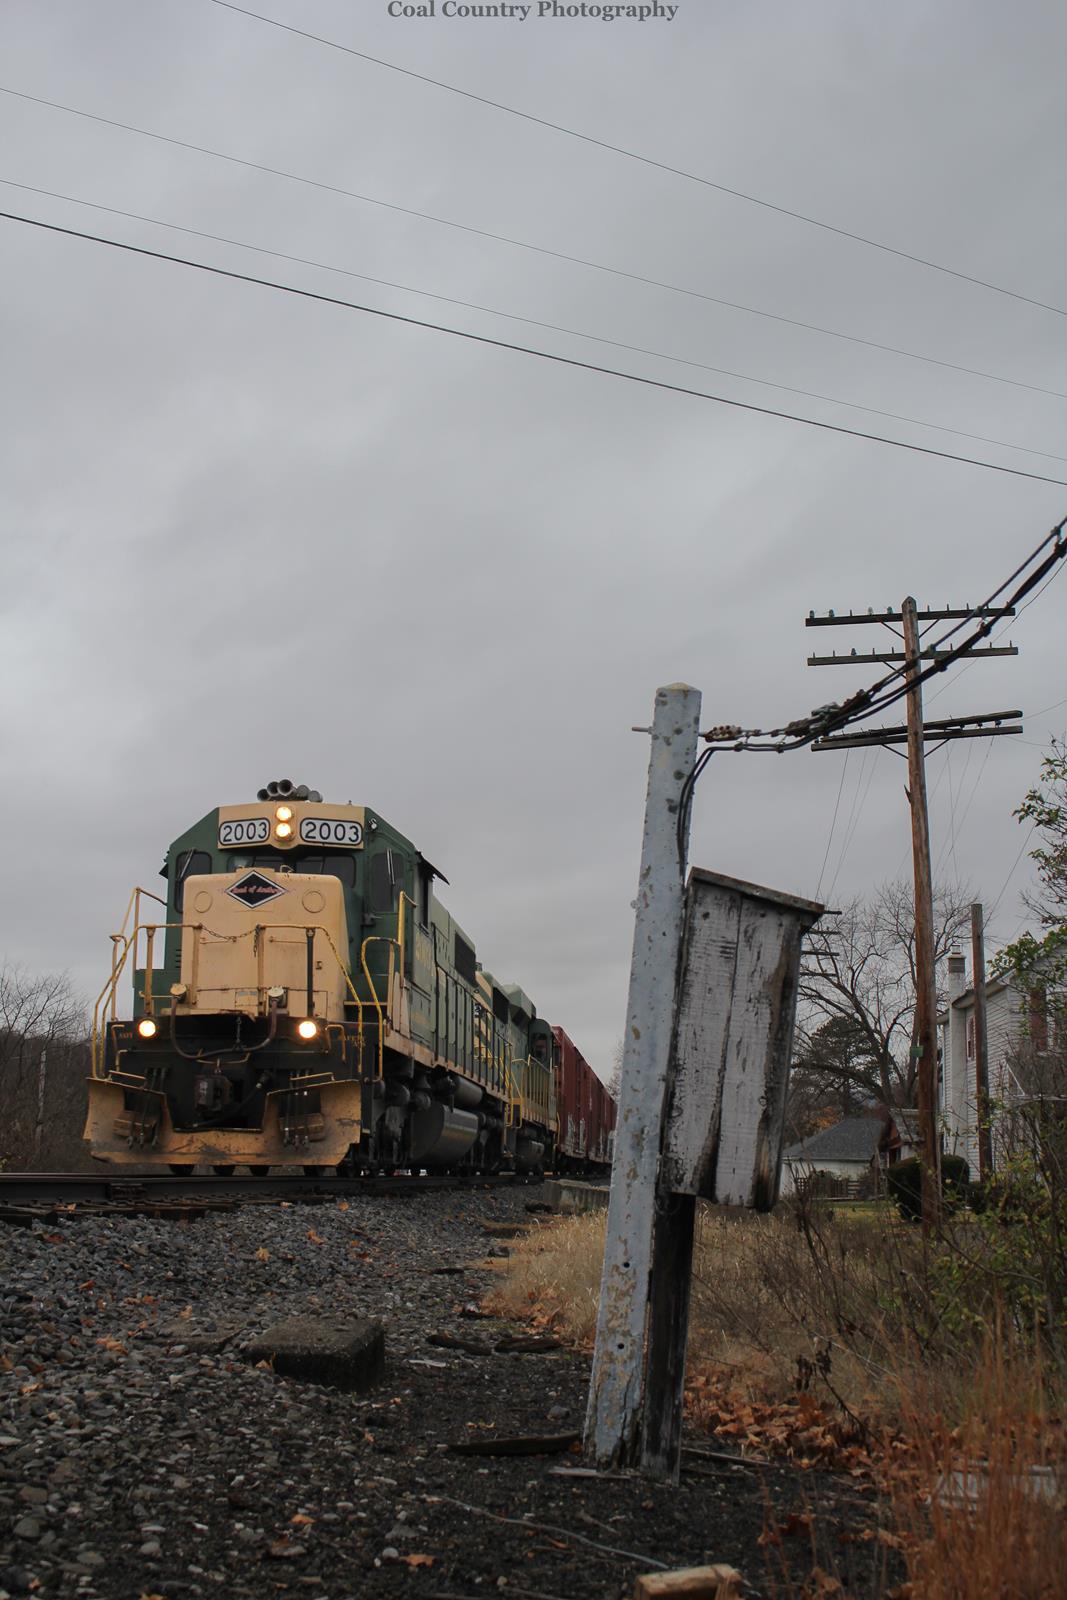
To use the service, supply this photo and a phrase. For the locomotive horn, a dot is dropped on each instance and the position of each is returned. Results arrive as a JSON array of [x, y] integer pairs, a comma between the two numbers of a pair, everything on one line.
[[302, 793], [285, 785], [262, 794]]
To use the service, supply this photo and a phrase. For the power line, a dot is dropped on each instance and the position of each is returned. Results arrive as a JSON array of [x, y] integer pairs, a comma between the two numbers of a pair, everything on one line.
[[528, 350], [518, 244], [858, 806], [533, 322], [828, 719], [1043, 710], [648, 161], [1011, 870], [833, 824]]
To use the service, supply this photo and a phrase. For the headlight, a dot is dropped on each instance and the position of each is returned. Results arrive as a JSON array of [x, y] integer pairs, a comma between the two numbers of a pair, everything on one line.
[[284, 813], [147, 1028], [283, 830], [308, 1029]]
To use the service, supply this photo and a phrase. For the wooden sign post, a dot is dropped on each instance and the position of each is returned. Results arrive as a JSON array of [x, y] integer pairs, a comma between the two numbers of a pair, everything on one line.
[[729, 1076]]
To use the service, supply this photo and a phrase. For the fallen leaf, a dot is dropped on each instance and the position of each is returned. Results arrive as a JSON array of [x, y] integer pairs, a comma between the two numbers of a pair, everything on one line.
[[262, 1254], [417, 1561], [186, 1314], [113, 1344], [284, 1549], [316, 1238], [301, 1520]]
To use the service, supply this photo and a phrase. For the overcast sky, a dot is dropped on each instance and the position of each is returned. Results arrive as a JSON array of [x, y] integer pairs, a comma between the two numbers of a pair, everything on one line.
[[250, 536]]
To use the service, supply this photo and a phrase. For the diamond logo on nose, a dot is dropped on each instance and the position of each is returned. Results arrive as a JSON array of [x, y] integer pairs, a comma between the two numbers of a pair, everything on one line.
[[254, 889]]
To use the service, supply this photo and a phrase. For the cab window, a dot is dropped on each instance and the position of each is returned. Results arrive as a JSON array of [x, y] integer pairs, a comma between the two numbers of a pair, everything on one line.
[[318, 862], [188, 864], [384, 878]]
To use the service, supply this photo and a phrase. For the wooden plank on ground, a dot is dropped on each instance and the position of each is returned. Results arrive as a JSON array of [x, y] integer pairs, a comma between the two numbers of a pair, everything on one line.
[[719, 1582]]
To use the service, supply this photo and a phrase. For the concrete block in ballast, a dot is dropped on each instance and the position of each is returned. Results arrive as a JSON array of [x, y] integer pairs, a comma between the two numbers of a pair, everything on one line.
[[343, 1355], [567, 1196]]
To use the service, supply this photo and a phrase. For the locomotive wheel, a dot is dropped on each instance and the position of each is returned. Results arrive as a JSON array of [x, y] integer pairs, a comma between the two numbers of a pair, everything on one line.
[[259, 1172], [181, 1169], [223, 1172]]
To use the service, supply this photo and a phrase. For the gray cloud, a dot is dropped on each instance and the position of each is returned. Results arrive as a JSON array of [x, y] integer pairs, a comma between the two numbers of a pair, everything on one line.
[[247, 535]]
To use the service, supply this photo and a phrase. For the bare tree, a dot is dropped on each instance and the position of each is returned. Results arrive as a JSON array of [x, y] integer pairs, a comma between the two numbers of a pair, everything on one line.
[[41, 1022], [859, 972]]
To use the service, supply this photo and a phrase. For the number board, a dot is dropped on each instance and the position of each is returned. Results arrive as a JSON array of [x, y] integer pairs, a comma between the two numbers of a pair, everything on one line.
[[330, 830], [244, 830]]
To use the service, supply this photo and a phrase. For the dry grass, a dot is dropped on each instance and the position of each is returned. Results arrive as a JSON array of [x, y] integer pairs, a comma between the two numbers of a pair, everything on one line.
[[798, 1321], [553, 1277], [980, 1505], [759, 1310]]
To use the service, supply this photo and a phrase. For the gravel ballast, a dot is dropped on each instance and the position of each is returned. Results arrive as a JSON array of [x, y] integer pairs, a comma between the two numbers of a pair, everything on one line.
[[143, 1453]]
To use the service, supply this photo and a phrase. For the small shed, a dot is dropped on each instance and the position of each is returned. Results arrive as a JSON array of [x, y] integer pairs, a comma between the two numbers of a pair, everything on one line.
[[847, 1151]]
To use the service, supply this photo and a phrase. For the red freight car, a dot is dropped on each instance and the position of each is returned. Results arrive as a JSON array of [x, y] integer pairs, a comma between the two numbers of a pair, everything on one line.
[[585, 1111]]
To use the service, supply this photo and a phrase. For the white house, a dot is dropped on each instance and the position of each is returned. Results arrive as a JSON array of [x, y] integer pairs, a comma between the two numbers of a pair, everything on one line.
[[1011, 1017]]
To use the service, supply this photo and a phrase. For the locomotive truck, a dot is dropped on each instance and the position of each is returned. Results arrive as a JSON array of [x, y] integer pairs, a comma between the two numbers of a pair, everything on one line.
[[301, 997]]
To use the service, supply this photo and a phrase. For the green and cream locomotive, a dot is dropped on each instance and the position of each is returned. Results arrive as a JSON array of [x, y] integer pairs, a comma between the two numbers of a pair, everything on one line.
[[301, 997]]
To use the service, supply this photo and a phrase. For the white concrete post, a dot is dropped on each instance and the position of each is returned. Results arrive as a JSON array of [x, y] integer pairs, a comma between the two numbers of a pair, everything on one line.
[[617, 1386]]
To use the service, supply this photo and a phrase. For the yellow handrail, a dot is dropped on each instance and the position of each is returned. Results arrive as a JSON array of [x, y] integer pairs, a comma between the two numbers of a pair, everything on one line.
[[123, 943], [379, 938]]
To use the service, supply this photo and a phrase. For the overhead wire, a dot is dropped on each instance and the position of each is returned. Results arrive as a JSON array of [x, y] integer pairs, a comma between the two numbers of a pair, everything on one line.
[[1054, 707], [896, 683], [858, 707], [506, 239], [528, 350], [858, 805], [833, 824], [511, 316], [634, 155], [1011, 873]]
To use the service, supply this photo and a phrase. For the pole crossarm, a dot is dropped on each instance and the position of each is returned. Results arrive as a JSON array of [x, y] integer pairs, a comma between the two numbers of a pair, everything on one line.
[[859, 741], [933, 732], [833, 619], [855, 658]]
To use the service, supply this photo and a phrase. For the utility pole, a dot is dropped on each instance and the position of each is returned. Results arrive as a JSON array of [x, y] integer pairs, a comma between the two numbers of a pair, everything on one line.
[[916, 735], [925, 1032], [981, 1045]]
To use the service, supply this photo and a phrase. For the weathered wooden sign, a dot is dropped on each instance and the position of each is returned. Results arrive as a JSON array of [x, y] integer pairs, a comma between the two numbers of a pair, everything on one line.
[[735, 1010]]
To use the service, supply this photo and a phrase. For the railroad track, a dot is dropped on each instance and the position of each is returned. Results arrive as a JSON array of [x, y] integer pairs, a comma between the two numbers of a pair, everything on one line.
[[28, 1197]]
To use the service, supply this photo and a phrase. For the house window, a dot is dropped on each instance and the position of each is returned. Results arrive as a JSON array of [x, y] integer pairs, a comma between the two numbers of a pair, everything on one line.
[[970, 1038]]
